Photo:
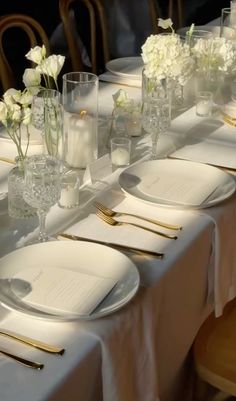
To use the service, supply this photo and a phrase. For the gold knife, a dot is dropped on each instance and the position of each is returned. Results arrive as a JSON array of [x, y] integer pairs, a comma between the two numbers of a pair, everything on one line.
[[32, 342], [22, 361], [141, 251]]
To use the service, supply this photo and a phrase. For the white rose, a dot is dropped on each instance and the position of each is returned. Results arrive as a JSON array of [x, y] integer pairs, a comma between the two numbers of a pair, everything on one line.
[[11, 96], [165, 23], [26, 116], [52, 66], [31, 77], [3, 111], [121, 98], [26, 98], [37, 54], [15, 112]]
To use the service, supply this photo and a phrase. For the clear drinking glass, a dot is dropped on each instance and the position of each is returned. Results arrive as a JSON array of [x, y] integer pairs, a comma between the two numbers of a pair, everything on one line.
[[228, 22], [42, 187], [80, 103], [156, 119], [197, 34]]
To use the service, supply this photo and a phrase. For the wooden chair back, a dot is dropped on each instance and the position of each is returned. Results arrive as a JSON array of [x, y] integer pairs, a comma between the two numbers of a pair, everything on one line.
[[97, 20], [36, 36], [215, 351], [175, 11]]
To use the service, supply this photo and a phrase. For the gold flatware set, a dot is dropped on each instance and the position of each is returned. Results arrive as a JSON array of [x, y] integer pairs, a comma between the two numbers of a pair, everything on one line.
[[112, 213], [107, 215], [51, 349]]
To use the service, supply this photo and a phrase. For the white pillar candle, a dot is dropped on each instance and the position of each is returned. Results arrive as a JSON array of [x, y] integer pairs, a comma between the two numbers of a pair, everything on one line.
[[81, 132]]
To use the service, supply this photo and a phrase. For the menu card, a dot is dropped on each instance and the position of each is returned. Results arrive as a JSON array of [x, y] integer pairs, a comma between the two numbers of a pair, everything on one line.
[[180, 188], [58, 289]]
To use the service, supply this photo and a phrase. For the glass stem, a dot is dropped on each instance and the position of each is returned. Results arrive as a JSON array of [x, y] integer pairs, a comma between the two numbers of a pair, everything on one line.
[[42, 220]]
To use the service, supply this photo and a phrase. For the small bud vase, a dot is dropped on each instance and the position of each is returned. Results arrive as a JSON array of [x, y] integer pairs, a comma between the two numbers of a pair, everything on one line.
[[17, 207]]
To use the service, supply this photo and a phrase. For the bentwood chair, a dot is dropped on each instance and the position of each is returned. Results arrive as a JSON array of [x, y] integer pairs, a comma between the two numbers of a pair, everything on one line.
[[215, 354], [175, 11], [97, 29], [35, 35]]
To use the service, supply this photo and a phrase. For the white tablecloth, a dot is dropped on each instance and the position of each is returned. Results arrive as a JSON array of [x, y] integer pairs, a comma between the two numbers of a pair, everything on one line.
[[140, 352]]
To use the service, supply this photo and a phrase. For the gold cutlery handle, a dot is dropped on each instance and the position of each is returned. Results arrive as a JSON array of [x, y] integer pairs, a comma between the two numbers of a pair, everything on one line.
[[158, 255], [169, 236], [7, 160], [23, 361], [32, 342], [153, 221]]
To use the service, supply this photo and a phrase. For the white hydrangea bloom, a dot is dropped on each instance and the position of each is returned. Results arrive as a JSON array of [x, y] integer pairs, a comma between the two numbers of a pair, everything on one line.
[[215, 54], [166, 56], [121, 98]]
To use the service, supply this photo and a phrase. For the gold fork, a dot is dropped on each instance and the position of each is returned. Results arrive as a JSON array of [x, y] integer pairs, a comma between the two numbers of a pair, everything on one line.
[[112, 213], [110, 220]]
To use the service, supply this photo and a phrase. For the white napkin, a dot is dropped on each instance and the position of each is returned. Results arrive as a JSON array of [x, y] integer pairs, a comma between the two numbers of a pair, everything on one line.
[[117, 79]]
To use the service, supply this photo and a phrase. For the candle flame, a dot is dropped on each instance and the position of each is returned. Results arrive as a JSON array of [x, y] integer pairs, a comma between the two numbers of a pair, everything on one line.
[[83, 113]]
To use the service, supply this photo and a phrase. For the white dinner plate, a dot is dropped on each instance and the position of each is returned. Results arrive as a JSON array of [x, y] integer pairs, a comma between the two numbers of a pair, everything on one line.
[[35, 136], [79, 256], [126, 67], [177, 183]]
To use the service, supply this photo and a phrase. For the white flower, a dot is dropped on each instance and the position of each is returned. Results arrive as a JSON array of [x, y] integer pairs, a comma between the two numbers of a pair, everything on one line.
[[51, 66], [26, 98], [121, 98], [37, 54], [11, 96], [215, 54], [165, 23], [31, 77], [166, 56], [3, 111], [15, 113], [26, 118]]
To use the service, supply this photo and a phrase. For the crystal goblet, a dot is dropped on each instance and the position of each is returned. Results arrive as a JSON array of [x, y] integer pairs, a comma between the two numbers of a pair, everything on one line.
[[42, 187], [155, 119]]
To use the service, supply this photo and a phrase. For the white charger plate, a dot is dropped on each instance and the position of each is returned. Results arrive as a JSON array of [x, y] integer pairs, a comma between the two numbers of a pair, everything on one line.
[[94, 259], [141, 182], [130, 67]]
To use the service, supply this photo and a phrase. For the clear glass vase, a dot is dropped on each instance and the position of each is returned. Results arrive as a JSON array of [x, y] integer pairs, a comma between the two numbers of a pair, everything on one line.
[[47, 117], [17, 207]]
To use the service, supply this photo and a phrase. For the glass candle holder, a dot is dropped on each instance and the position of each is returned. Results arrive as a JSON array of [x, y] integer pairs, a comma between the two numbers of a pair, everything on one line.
[[80, 103], [120, 151], [70, 184], [204, 104], [228, 22]]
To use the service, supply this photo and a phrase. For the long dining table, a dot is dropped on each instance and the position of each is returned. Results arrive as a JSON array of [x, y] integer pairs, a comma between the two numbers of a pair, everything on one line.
[[143, 350]]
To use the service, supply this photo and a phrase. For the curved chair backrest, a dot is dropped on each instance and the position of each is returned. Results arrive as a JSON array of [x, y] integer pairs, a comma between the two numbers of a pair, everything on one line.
[[215, 352], [175, 10], [103, 27], [35, 34], [75, 54]]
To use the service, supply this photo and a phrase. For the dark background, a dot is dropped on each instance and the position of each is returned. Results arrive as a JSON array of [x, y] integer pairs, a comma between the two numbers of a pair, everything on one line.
[[126, 34]]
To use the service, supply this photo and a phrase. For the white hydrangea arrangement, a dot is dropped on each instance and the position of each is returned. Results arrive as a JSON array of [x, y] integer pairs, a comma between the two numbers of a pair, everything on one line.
[[214, 54], [166, 56], [15, 106]]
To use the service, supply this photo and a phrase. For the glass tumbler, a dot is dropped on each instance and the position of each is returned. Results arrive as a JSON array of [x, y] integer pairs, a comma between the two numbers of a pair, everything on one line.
[[80, 117]]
